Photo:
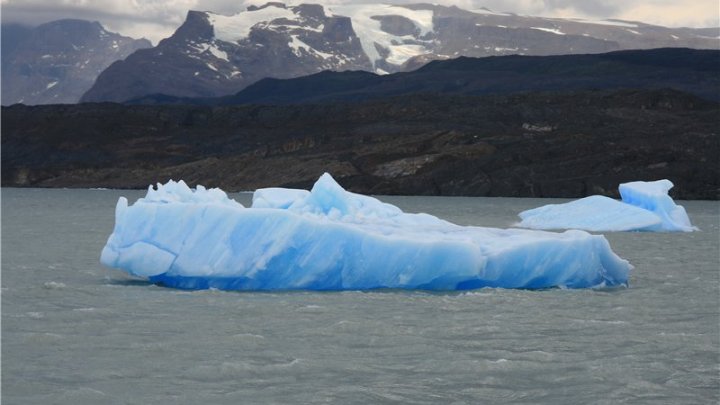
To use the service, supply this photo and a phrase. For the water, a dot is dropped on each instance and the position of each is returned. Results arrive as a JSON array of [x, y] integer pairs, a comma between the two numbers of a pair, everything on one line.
[[76, 333]]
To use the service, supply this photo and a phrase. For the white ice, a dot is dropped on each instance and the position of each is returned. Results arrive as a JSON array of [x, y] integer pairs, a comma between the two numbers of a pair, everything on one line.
[[653, 196], [331, 239], [645, 206], [616, 23], [370, 33], [550, 30], [236, 27]]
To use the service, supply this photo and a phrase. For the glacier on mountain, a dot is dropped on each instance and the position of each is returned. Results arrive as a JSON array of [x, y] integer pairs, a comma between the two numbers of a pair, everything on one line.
[[645, 206], [332, 239], [237, 27], [367, 25], [212, 54], [399, 48]]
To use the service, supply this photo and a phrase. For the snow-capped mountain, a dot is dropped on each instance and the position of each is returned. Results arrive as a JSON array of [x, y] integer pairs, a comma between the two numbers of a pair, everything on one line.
[[213, 55], [59, 61]]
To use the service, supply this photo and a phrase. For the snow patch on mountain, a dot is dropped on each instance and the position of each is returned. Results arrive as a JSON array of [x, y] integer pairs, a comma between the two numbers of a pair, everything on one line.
[[237, 27], [615, 23], [550, 30], [297, 45], [218, 53], [486, 11]]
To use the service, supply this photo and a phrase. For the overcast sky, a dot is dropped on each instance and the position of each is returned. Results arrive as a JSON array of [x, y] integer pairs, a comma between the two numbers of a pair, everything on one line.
[[157, 19]]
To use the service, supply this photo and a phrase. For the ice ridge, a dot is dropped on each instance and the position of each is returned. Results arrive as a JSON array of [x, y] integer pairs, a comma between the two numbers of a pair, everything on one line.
[[332, 239]]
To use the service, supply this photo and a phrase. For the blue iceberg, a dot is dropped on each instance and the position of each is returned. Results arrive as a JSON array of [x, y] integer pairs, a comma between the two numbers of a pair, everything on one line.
[[645, 206], [332, 239]]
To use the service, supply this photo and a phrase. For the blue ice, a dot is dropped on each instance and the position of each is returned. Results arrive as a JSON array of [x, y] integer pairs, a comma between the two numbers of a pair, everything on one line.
[[332, 239], [645, 206]]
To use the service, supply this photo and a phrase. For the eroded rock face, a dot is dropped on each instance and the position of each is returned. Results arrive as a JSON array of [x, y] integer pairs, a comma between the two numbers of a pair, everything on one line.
[[447, 145], [397, 25], [57, 62], [210, 56]]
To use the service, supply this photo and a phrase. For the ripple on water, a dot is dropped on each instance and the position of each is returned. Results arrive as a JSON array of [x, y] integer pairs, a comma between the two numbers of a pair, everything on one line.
[[54, 285], [234, 370], [82, 395], [655, 342]]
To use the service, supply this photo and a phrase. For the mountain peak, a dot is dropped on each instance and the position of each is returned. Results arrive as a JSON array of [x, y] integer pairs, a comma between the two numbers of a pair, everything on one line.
[[58, 61], [213, 54]]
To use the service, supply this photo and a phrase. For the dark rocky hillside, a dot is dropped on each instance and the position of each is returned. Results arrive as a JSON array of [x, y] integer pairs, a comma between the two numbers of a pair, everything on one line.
[[689, 70], [542, 145]]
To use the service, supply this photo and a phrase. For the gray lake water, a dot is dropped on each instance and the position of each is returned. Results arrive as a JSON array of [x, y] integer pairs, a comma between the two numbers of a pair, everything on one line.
[[74, 332]]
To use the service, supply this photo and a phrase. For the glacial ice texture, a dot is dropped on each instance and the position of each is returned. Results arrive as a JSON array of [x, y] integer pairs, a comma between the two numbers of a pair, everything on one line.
[[332, 239], [645, 206]]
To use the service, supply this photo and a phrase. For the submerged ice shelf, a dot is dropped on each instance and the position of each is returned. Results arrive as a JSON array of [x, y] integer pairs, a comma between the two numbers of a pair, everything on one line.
[[332, 239], [645, 206]]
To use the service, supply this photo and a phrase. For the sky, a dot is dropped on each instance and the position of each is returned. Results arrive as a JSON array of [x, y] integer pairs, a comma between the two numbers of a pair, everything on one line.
[[157, 19]]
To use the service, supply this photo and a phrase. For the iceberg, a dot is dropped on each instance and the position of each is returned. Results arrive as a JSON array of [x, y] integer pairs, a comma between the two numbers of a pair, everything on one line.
[[332, 239], [645, 206]]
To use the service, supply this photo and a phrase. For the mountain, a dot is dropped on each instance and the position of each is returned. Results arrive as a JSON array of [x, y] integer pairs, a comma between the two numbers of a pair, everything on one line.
[[689, 70], [566, 144], [214, 55], [58, 61], [12, 35]]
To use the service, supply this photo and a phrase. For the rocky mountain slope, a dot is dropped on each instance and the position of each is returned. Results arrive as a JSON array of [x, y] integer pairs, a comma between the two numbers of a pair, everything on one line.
[[58, 62], [530, 145], [213, 55], [690, 70]]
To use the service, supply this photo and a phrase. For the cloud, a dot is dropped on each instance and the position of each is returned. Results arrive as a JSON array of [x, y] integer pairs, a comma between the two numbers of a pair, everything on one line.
[[675, 14], [589, 8], [671, 13], [157, 19]]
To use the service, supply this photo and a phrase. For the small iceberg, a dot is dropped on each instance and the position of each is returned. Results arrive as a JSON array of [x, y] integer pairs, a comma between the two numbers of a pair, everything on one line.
[[332, 239], [645, 206]]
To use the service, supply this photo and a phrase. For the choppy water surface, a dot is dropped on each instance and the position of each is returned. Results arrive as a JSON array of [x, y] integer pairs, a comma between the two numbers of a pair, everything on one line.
[[76, 333]]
